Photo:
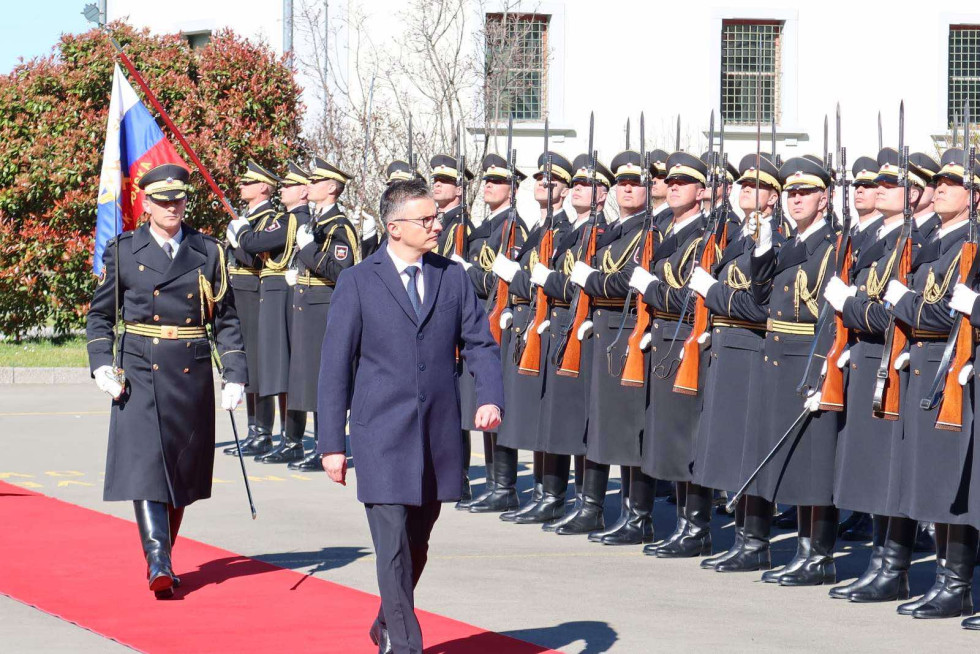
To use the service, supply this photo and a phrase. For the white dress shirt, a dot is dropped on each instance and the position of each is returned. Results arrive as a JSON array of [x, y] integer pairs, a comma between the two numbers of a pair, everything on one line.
[[174, 242], [401, 266]]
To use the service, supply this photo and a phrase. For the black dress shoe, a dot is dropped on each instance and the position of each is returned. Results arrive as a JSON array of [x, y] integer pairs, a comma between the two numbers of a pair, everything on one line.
[[285, 452], [309, 463], [551, 507], [536, 495], [379, 636], [909, 607], [971, 623], [500, 500], [257, 446]]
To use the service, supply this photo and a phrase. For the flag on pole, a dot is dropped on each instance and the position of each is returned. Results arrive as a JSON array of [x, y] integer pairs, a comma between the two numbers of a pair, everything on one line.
[[134, 144]]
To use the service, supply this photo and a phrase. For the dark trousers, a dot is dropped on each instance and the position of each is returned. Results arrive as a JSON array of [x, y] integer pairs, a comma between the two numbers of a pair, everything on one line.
[[401, 544]]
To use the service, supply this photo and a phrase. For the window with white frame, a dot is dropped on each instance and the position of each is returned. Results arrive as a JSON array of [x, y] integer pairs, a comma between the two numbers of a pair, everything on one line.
[[963, 83], [516, 79]]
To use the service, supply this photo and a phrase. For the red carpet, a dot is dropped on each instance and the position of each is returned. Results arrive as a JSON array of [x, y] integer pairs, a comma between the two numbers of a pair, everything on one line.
[[100, 586]]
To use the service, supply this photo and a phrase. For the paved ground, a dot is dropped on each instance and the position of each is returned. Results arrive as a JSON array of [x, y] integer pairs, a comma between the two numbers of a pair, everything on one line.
[[561, 592]]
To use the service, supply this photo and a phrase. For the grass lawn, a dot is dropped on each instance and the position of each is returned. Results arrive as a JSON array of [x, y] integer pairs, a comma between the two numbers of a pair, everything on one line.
[[45, 353]]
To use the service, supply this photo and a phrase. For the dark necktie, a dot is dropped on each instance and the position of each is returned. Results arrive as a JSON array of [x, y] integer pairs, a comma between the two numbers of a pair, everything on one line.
[[169, 249], [413, 290]]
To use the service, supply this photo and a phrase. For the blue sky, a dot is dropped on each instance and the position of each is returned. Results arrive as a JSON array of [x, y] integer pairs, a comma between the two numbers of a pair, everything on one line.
[[29, 29]]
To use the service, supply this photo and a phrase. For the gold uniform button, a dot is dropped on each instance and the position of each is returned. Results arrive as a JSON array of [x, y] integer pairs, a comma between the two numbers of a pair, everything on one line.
[[186, 370], [156, 367], [190, 296], [775, 338], [156, 318], [779, 313], [854, 366], [188, 321], [775, 363], [300, 291], [916, 372], [862, 287], [156, 293], [142, 268], [766, 357], [156, 341], [786, 289]]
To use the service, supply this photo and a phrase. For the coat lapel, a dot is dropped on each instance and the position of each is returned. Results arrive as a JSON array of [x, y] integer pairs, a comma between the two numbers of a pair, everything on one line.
[[190, 255], [148, 253], [386, 270], [432, 278]]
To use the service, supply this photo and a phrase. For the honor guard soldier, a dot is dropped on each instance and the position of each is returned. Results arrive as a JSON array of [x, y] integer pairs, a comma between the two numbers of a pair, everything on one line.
[[792, 281], [565, 404], [453, 239], [256, 186], [400, 171], [926, 218], [325, 247], [865, 196], [671, 418], [615, 420], [274, 240], [933, 462], [662, 214], [168, 284], [519, 427], [734, 358], [486, 241], [864, 445]]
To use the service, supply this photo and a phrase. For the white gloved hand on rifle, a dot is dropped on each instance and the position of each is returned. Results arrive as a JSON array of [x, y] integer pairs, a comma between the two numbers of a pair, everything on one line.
[[504, 268], [701, 281], [304, 236], [641, 279], [506, 319], [581, 272], [540, 274], [234, 227], [837, 293], [963, 299]]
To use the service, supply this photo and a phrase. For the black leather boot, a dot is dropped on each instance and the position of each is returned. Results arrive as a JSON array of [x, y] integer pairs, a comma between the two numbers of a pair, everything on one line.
[[696, 539], [680, 496], [624, 507], [802, 546], [590, 516], [175, 516], [153, 521], [754, 553], [265, 417], [942, 532], [489, 443], [892, 581], [290, 448], [925, 538], [570, 511], [639, 524], [311, 462], [466, 495], [955, 598], [504, 494], [819, 568], [858, 528], [879, 531], [536, 494], [711, 562], [232, 450], [554, 485], [788, 519]]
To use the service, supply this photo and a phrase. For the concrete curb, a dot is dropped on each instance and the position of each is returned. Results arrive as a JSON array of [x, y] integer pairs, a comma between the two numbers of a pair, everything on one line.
[[12, 375]]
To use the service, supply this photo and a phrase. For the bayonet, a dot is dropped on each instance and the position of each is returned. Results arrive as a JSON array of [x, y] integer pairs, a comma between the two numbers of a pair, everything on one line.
[[410, 155], [677, 137], [627, 133], [826, 142], [880, 146]]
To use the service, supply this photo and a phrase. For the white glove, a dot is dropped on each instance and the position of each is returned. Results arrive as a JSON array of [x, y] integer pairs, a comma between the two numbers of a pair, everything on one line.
[[896, 291], [837, 291], [106, 381], [641, 279], [292, 276], [581, 272], [304, 236], [902, 361], [844, 358], [234, 227], [543, 327], [645, 342], [963, 299], [369, 226], [812, 403], [460, 260], [504, 268], [763, 242], [704, 340], [965, 374], [231, 396], [539, 274], [585, 330], [701, 281], [506, 319]]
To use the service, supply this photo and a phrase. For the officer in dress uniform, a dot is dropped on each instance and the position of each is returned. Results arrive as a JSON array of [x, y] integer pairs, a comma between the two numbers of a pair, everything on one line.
[[926, 219], [171, 282], [932, 463], [519, 427], [256, 186], [791, 280], [671, 418], [565, 405], [486, 242], [615, 421], [274, 240], [325, 246], [864, 444], [448, 195], [662, 214], [734, 358]]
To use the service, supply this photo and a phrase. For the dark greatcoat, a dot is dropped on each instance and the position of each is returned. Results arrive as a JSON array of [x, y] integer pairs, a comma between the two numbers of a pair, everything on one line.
[[243, 271], [161, 430], [401, 387], [319, 265], [274, 240], [802, 472]]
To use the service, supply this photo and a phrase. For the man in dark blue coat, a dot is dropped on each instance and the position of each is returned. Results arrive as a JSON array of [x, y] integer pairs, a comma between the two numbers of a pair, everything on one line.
[[390, 357]]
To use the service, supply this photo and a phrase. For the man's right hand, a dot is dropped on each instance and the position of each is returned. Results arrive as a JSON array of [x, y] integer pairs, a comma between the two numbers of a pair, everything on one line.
[[335, 465]]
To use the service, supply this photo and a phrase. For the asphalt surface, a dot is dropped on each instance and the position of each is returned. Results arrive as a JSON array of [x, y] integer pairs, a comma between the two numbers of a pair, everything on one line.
[[559, 592]]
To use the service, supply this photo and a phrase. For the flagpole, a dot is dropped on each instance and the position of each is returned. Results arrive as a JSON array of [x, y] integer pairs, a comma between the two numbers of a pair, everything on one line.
[[173, 128]]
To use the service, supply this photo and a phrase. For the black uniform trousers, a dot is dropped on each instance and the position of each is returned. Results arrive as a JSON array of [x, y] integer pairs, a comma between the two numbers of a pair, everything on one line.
[[401, 544]]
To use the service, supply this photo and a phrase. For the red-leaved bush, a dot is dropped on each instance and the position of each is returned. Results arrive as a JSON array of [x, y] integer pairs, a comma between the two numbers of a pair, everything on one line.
[[233, 100]]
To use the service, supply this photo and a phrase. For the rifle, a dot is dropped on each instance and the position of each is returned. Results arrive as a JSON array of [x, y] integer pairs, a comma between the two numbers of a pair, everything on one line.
[[633, 371], [568, 353], [527, 352], [832, 389], [499, 296], [887, 393], [880, 146], [960, 342], [410, 155], [777, 210], [460, 245]]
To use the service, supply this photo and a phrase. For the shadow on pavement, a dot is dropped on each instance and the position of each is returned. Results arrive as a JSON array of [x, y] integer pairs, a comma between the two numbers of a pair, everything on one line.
[[598, 636]]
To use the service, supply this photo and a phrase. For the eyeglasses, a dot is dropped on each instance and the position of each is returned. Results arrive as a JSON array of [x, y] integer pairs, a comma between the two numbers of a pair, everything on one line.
[[425, 221]]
